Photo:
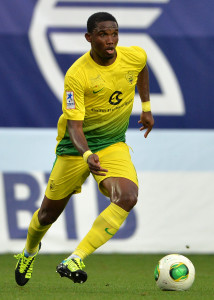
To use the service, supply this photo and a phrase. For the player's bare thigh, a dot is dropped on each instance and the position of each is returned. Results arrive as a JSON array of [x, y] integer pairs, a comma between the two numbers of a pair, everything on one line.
[[50, 210], [122, 191]]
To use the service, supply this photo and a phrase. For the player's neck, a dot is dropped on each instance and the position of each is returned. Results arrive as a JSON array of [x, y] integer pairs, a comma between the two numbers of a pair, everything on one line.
[[103, 61]]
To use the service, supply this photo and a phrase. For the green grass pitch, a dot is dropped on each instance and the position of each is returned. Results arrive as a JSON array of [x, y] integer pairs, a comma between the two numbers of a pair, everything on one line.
[[110, 277]]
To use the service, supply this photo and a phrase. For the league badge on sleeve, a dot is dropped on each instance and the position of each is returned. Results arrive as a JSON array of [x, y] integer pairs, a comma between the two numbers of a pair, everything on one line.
[[70, 100]]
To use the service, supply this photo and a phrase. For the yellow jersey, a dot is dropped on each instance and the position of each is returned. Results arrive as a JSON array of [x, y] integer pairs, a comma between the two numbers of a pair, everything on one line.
[[102, 97]]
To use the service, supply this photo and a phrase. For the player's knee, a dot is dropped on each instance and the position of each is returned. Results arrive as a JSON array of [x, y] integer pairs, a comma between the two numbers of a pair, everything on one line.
[[132, 201], [46, 217], [127, 201]]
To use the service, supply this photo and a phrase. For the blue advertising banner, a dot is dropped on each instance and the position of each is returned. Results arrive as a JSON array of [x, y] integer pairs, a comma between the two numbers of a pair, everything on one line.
[[175, 204], [39, 40]]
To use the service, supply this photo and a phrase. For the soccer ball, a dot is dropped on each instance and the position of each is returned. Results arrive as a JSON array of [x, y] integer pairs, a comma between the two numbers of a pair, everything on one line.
[[174, 272]]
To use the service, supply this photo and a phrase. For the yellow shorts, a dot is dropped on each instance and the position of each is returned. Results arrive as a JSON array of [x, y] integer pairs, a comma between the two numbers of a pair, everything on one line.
[[70, 172]]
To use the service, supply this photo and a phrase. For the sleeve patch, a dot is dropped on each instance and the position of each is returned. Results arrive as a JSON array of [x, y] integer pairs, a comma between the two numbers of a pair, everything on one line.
[[70, 100]]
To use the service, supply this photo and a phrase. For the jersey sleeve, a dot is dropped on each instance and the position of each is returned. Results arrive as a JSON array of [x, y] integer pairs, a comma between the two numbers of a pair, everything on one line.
[[73, 99], [141, 56]]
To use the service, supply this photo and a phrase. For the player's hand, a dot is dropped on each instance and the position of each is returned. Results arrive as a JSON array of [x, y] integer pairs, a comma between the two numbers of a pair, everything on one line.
[[94, 165], [147, 120]]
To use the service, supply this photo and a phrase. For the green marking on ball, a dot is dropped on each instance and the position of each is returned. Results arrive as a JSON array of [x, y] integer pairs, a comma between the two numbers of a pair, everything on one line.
[[179, 272], [157, 272]]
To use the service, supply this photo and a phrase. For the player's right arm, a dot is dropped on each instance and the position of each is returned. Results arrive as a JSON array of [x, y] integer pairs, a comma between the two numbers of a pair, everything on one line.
[[75, 129], [73, 107]]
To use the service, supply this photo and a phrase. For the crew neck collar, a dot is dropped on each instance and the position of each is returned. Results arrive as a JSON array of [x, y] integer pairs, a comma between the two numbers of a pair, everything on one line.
[[104, 67]]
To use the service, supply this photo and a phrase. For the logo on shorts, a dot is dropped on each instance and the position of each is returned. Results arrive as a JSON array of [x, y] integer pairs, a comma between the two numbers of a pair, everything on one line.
[[52, 185]]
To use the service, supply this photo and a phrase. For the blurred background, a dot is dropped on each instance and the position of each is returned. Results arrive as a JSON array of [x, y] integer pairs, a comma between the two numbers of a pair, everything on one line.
[[39, 40]]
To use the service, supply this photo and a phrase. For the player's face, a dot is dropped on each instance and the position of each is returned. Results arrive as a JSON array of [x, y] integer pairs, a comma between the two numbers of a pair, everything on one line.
[[103, 41]]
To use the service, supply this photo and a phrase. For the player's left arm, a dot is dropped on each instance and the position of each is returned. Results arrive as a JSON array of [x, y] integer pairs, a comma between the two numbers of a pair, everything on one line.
[[146, 118]]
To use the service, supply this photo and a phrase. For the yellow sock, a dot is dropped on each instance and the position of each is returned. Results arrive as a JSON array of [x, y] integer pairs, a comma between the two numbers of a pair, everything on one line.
[[35, 234], [103, 228]]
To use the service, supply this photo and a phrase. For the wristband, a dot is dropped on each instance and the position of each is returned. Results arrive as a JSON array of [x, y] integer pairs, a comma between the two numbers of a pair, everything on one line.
[[86, 154], [146, 106]]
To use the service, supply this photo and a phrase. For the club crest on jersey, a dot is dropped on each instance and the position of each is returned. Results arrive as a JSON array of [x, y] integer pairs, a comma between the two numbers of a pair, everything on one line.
[[130, 77], [70, 100]]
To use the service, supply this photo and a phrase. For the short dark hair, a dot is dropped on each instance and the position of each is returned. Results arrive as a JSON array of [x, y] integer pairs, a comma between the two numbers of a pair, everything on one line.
[[97, 18]]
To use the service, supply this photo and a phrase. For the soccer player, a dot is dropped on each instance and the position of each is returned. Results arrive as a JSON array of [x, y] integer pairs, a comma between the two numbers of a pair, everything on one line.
[[97, 102]]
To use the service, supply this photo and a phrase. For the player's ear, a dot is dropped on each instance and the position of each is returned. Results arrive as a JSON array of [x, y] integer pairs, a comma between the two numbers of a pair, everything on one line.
[[88, 37]]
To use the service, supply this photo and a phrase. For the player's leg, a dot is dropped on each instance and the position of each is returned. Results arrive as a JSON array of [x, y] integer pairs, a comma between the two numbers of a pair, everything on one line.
[[121, 186], [123, 196], [122, 191], [67, 176], [42, 220], [36, 230]]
